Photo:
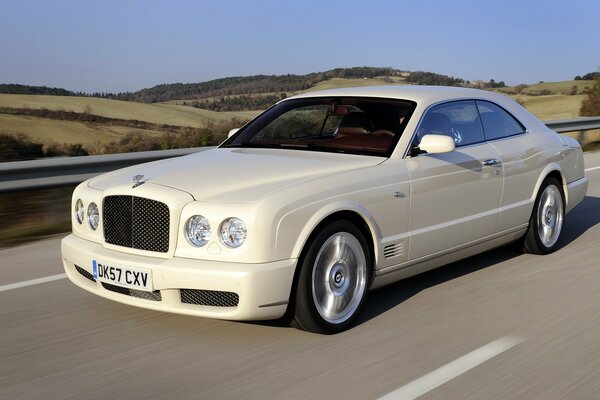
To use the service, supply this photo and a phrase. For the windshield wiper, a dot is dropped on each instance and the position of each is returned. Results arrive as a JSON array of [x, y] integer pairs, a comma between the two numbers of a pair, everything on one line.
[[272, 145], [303, 146], [257, 145]]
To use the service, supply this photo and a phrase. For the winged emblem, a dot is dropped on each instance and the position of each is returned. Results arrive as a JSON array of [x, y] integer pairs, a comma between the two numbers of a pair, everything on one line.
[[137, 181]]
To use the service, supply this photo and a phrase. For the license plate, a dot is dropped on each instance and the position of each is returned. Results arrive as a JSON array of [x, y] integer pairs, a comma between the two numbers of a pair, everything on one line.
[[120, 275]]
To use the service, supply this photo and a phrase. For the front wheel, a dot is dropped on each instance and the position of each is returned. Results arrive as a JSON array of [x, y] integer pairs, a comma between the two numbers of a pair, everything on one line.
[[546, 220], [334, 279]]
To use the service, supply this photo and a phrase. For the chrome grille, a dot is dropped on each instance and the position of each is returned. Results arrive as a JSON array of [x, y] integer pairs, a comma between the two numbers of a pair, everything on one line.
[[141, 294], [136, 222], [213, 298]]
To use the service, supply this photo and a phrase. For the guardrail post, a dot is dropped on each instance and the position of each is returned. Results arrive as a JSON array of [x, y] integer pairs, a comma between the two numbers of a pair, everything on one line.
[[581, 137]]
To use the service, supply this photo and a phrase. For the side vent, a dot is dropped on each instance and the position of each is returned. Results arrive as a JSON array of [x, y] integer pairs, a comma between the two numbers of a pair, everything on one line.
[[393, 250]]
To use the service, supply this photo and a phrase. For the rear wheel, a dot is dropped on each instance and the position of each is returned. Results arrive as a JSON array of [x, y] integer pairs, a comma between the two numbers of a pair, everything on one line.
[[334, 279], [546, 220]]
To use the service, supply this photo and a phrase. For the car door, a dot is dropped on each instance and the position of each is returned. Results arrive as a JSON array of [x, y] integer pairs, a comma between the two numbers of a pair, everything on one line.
[[521, 167], [455, 196]]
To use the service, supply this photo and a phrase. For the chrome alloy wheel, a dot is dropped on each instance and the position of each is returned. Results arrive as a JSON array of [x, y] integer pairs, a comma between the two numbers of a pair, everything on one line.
[[339, 277], [550, 215]]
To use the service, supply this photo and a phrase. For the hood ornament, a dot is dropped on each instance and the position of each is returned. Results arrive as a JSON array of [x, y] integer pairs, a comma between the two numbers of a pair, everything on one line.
[[137, 181]]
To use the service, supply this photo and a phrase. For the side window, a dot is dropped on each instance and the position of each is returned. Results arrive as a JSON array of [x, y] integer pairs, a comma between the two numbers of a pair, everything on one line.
[[457, 119], [497, 122]]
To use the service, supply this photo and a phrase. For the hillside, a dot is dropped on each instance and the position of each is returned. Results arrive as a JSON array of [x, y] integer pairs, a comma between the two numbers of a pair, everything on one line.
[[170, 114], [549, 88], [14, 88], [246, 85], [198, 114]]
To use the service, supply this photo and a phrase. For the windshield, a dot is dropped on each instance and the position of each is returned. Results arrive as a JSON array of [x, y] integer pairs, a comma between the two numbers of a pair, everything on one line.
[[345, 125]]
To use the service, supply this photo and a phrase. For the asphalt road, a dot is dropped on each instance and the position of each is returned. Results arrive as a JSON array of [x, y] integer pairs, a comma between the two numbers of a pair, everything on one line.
[[500, 325]]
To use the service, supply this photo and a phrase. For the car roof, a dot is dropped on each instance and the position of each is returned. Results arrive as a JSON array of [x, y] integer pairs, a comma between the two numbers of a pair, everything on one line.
[[427, 94]]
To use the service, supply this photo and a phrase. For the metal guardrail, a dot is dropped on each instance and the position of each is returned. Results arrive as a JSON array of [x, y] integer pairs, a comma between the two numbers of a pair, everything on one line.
[[64, 171], [581, 124]]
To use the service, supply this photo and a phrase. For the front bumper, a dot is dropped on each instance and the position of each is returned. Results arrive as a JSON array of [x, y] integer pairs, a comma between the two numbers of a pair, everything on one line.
[[263, 289]]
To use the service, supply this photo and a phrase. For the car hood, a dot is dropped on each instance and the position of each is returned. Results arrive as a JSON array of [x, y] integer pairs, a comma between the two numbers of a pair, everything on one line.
[[236, 174]]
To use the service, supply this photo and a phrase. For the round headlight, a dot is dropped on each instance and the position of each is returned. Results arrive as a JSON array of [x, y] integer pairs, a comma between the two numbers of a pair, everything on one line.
[[197, 230], [233, 232], [93, 216], [79, 211]]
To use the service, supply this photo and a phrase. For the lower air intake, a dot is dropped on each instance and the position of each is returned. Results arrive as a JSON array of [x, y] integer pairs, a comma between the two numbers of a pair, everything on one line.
[[85, 273], [212, 298], [140, 294]]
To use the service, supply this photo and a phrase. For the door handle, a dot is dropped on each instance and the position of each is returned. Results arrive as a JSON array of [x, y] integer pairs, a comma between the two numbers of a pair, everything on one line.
[[491, 162]]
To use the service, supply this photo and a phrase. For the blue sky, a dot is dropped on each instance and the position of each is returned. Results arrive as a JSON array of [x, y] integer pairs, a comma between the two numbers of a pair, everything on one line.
[[128, 45]]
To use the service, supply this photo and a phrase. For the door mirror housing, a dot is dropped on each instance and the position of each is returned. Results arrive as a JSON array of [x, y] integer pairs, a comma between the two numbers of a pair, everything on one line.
[[436, 144], [232, 132]]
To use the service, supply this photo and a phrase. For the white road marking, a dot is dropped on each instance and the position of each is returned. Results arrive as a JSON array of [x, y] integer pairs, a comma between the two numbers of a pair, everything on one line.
[[591, 169], [32, 282], [451, 370]]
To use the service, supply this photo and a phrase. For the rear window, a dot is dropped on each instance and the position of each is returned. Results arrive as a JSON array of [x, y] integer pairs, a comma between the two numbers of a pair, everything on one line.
[[497, 122]]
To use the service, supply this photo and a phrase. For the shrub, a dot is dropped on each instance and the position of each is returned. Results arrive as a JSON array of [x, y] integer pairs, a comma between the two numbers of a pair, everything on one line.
[[591, 104], [574, 91], [19, 147]]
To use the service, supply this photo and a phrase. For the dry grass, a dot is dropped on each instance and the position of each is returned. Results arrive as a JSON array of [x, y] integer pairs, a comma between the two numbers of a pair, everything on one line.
[[42, 130], [557, 106], [170, 114], [561, 87], [94, 136]]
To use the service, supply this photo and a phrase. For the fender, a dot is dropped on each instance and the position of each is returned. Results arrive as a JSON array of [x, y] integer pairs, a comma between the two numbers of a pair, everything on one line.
[[327, 210]]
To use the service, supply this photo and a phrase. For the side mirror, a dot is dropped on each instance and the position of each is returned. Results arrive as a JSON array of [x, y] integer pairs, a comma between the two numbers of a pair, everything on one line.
[[435, 144], [232, 132]]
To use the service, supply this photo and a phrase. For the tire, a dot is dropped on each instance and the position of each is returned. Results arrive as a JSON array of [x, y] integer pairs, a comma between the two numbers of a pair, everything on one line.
[[334, 279], [546, 222]]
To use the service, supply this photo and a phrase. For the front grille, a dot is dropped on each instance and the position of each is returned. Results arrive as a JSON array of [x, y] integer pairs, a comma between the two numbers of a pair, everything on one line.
[[213, 298], [136, 222], [85, 273], [141, 294]]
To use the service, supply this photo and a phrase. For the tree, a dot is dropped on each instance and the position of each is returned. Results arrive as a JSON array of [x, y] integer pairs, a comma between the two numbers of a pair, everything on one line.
[[591, 104], [591, 76]]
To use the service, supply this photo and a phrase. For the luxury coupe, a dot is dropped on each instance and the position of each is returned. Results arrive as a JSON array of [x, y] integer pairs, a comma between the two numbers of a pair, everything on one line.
[[322, 198]]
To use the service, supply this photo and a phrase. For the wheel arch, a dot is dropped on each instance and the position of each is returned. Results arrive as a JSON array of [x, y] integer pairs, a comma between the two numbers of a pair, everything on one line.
[[551, 170], [354, 214]]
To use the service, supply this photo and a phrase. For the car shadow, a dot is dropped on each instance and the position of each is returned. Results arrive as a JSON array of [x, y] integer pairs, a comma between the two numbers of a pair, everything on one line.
[[582, 218]]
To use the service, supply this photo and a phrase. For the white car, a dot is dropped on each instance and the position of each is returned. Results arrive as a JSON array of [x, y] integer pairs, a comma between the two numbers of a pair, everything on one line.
[[320, 199]]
